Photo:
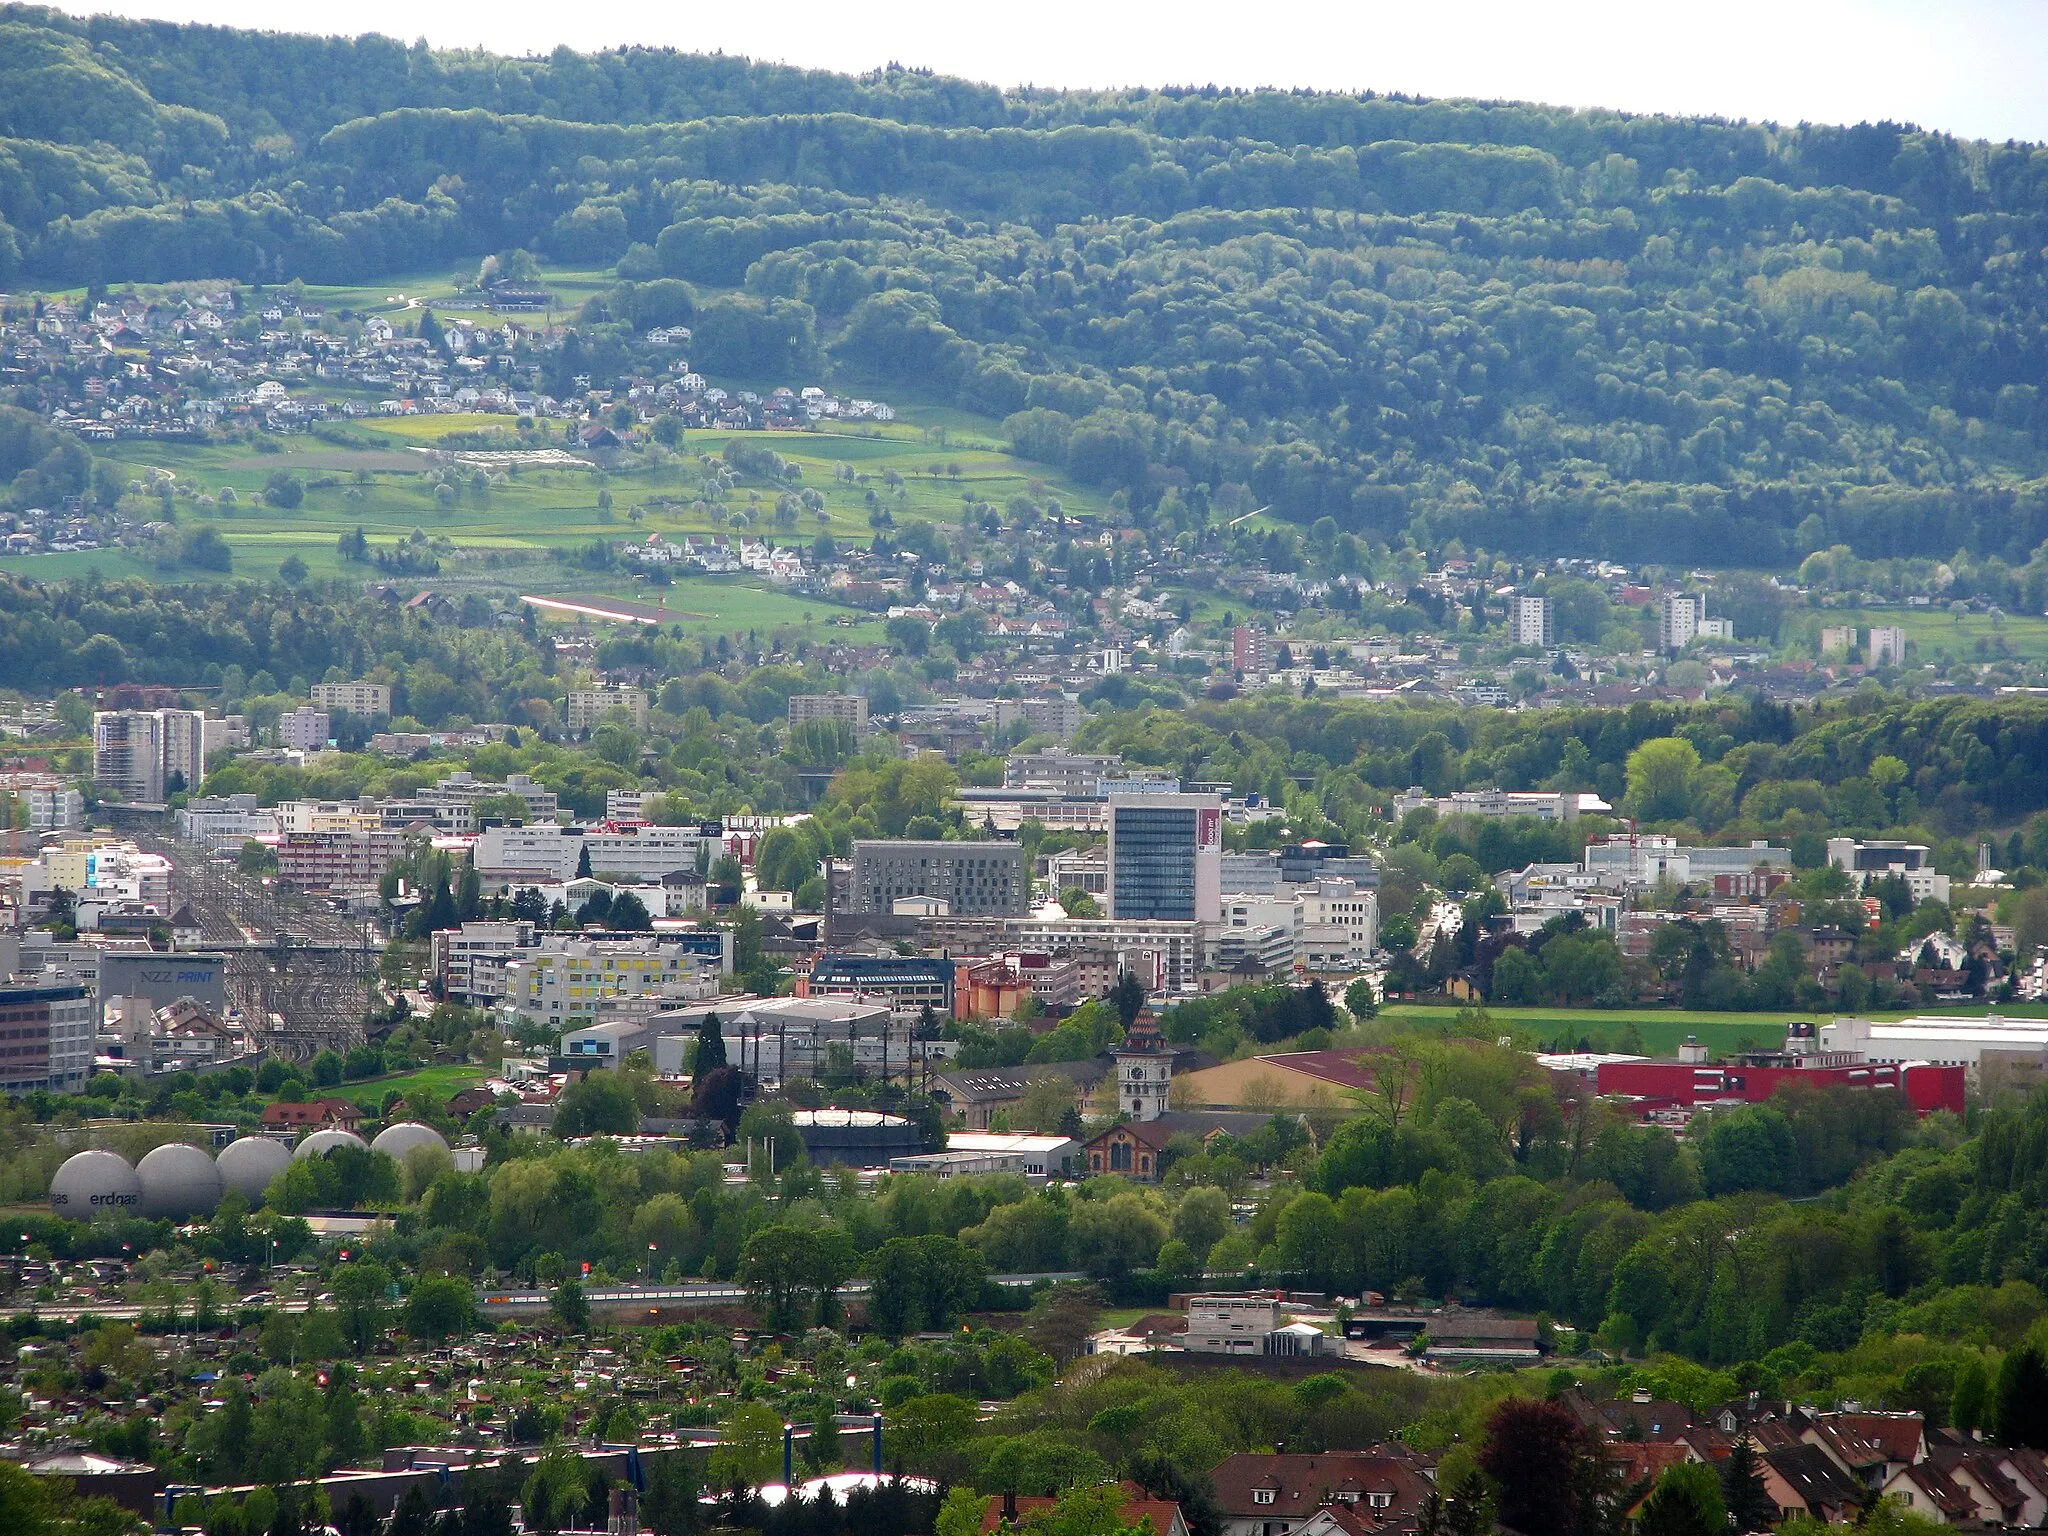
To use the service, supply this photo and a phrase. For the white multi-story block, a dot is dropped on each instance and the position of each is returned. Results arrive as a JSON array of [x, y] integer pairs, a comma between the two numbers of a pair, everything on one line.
[[1533, 621], [1678, 620], [367, 700], [304, 729], [589, 706], [53, 810], [850, 707]]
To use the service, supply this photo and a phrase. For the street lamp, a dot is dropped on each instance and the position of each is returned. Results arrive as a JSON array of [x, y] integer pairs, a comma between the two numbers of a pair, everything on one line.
[[650, 1263]]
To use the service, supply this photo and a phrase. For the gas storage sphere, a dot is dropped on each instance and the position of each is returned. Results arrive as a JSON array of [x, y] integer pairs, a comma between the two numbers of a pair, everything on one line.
[[320, 1143], [251, 1163], [394, 1141], [95, 1184], [178, 1182]]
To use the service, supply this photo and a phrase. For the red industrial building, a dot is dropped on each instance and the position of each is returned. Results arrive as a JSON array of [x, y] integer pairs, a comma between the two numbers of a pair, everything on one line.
[[1667, 1085]]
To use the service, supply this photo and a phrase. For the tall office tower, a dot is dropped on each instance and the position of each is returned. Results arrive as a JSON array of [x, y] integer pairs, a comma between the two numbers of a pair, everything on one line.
[[1165, 857]]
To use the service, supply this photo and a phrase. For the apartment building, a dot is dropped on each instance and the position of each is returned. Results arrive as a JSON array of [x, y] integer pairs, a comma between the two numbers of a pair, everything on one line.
[[1165, 956], [1533, 621], [1071, 773], [366, 700], [304, 729], [588, 707], [146, 755], [1678, 619], [1058, 716], [1339, 925], [453, 955], [850, 707]]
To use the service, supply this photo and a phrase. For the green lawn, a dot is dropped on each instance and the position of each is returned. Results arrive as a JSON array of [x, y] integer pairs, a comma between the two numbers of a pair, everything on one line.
[[441, 1081], [1663, 1030]]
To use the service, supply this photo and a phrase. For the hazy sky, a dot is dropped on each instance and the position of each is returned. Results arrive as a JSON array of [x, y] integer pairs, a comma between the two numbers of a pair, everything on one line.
[[1973, 67]]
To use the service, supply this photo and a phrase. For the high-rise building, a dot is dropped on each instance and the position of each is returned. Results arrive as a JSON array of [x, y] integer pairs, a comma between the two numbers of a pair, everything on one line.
[[304, 729], [1887, 645], [1533, 621], [850, 707], [1678, 619], [1247, 649], [146, 755], [984, 879], [1165, 857]]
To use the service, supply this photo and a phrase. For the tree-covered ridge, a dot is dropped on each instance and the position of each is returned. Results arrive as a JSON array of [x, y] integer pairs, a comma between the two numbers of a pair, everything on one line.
[[1528, 328]]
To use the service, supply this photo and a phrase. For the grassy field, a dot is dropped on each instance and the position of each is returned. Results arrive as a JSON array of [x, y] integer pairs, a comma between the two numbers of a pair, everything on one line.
[[441, 1081], [506, 538], [1662, 1030], [1937, 635], [371, 474]]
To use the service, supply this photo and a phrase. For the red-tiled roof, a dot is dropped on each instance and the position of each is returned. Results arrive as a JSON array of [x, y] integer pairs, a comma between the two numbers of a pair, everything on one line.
[[1898, 1435], [1301, 1484]]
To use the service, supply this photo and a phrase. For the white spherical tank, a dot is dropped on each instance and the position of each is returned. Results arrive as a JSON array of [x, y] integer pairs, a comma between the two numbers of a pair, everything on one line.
[[179, 1182], [250, 1164], [395, 1141], [95, 1184], [320, 1143]]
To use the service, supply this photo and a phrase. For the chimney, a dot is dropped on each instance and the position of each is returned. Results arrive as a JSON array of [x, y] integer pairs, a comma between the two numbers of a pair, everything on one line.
[[1692, 1052]]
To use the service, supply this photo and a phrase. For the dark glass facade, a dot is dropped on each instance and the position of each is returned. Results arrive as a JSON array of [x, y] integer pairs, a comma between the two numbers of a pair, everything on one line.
[[1153, 876]]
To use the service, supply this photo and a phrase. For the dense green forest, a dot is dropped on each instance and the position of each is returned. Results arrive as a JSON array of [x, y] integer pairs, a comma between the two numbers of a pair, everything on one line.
[[1674, 339]]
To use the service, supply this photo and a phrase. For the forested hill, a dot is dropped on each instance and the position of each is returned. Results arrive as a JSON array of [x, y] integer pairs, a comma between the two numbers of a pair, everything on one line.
[[1536, 330]]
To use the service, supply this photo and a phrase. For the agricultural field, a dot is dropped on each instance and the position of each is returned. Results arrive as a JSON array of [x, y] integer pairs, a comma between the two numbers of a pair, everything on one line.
[[529, 533]]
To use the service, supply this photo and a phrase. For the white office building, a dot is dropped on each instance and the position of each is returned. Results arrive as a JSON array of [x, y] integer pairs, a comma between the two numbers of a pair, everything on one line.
[[1865, 862], [634, 852], [53, 810]]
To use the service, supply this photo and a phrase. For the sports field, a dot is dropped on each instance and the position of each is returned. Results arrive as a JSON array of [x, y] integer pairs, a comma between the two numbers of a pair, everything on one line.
[[1662, 1030]]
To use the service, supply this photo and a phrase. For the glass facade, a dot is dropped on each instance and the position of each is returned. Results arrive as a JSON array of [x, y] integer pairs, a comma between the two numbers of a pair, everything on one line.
[[1154, 871]]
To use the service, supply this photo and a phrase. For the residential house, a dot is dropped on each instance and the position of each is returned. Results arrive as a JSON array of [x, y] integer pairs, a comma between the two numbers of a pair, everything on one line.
[[313, 1115], [1280, 1494]]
